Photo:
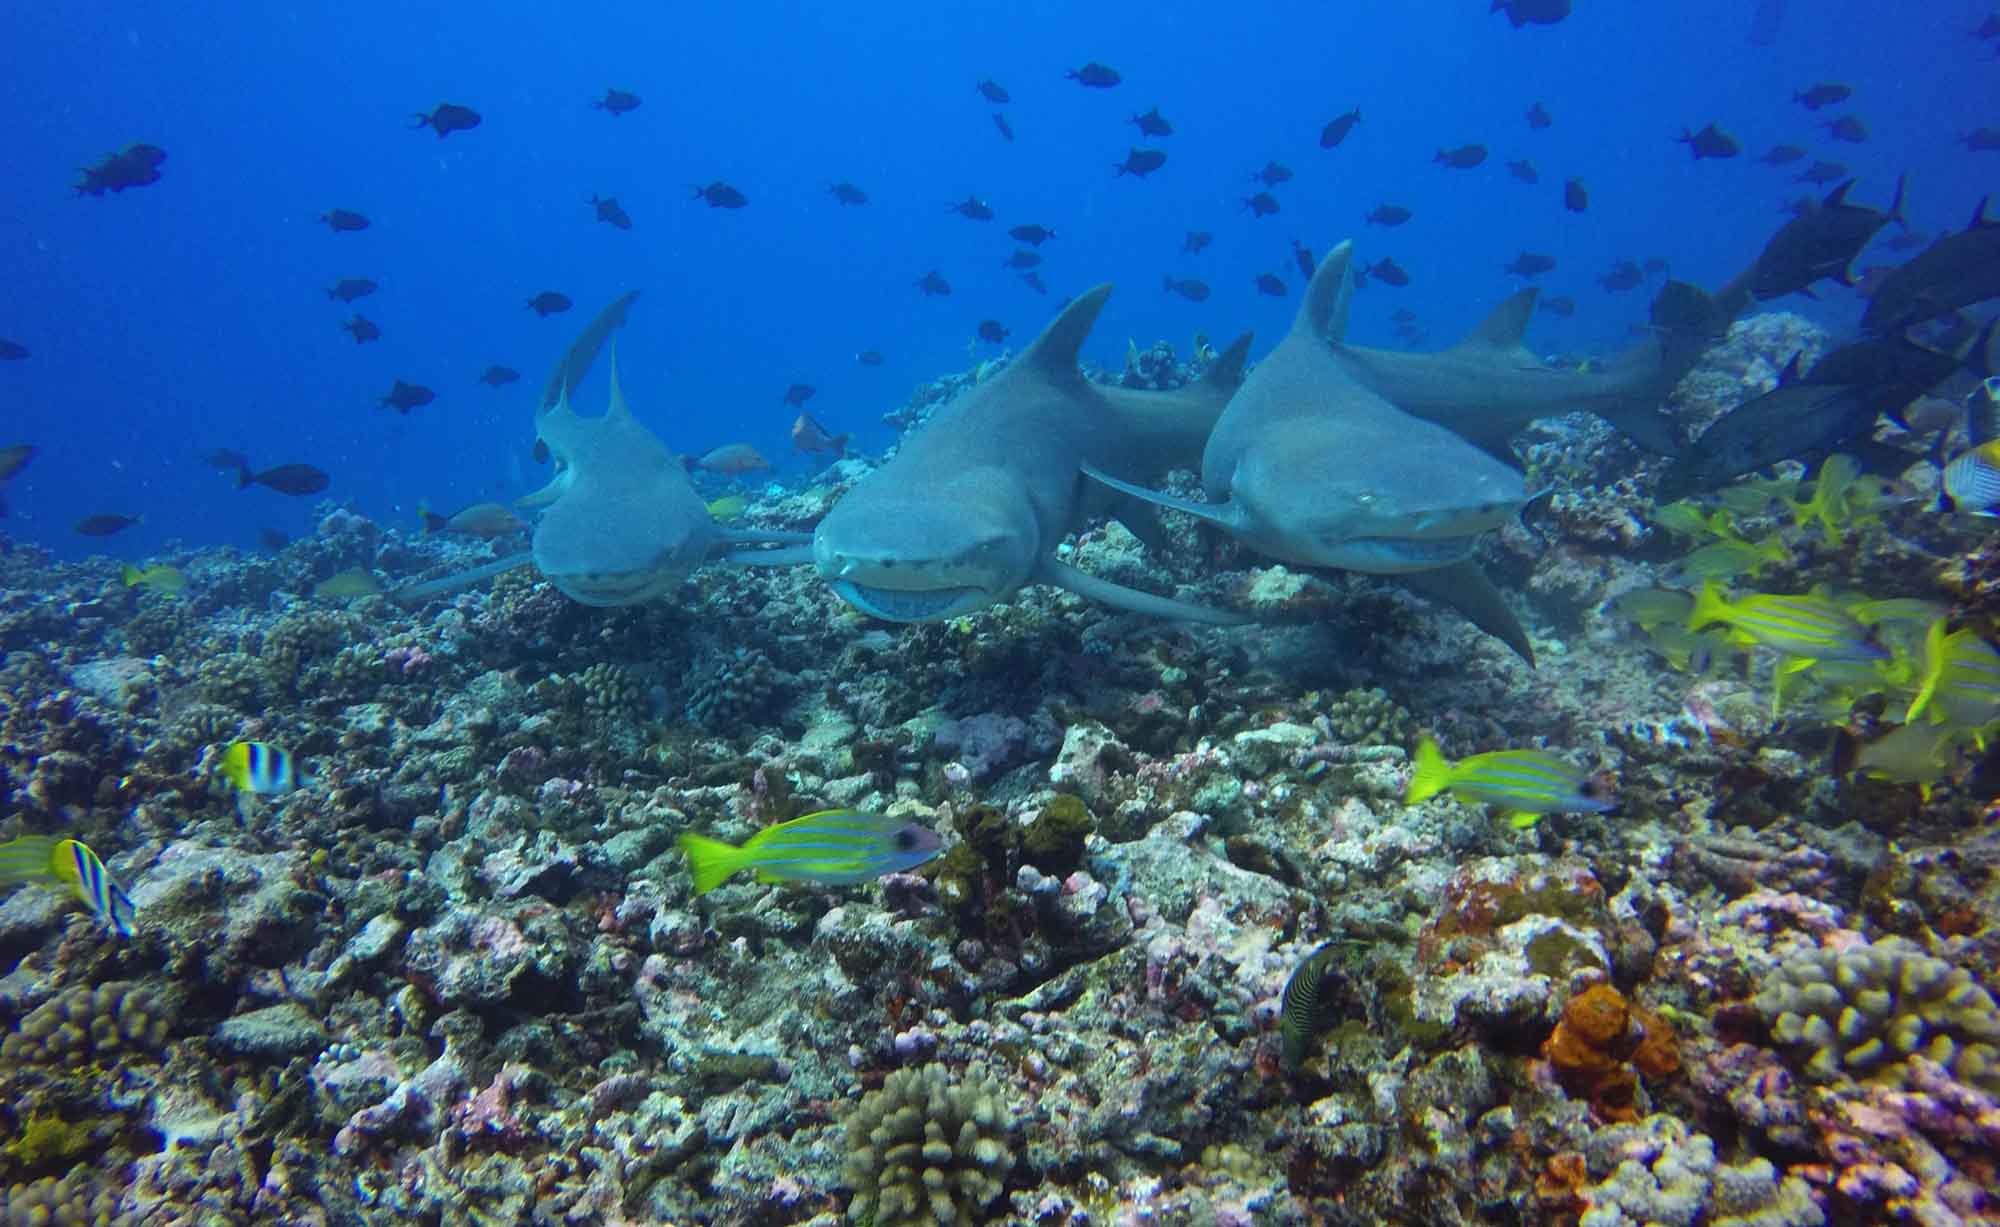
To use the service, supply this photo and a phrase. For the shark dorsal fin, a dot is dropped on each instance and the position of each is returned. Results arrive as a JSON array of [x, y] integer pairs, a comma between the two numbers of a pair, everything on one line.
[[1979, 219], [1506, 325], [1790, 375], [619, 408], [1226, 371], [1053, 355], [576, 362], [1837, 196], [1324, 312]]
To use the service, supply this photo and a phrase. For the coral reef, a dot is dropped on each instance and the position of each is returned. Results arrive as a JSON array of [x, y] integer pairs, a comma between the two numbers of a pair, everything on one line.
[[923, 1150]]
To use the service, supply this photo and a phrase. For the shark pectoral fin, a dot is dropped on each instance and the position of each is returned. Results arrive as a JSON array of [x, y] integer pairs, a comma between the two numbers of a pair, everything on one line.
[[1465, 588], [1142, 522], [779, 556], [1104, 592], [415, 594], [1219, 514], [546, 495]]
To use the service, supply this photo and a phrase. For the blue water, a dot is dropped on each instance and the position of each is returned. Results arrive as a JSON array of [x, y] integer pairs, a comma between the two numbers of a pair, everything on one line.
[[172, 319]]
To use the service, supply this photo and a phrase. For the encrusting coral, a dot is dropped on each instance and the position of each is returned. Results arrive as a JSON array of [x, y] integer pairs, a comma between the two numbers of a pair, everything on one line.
[[921, 1150]]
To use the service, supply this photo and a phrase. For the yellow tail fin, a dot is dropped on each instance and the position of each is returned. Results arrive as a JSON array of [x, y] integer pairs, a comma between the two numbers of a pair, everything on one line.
[[710, 860], [1431, 774], [1709, 606]]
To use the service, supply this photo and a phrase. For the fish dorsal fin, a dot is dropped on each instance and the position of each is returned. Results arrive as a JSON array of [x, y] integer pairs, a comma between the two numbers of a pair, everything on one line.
[[1790, 375], [1226, 371], [1053, 355], [1506, 325], [1837, 196], [1979, 219], [1324, 312]]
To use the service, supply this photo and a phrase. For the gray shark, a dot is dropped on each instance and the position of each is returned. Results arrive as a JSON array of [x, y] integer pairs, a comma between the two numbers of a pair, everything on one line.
[[1312, 467], [972, 506]]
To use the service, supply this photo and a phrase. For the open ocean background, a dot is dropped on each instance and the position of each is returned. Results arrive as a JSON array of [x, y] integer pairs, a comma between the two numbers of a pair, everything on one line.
[[191, 314]]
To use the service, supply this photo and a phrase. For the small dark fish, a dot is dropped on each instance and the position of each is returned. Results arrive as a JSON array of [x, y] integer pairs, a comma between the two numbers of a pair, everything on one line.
[[1539, 12], [847, 194], [137, 166], [362, 329], [1389, 272], [992, 330], [1095, 75], [1819, 174], [1022, 258], [1782, 155], [934, 285], [1981, 140], [1263, 204], [1031, 234], [1388, 215], [1273, 174], [1559, 305], [610, 211], [297, 480], [1196, 240], [407, 396], [994, 93], [1192, 290], [105, 525], [798, 394], [1141, 162], [618, 102], [1525, 171], [1303, 257], [1959, 270], [1710, 142], [1848, 128], [720, 195], [1821, 242], [869, 357], [448, 118], [1465, 157], [1006, 129], [809, 436], [1624, 275], [548, 303], [344, 220], [1538, 117], [228, 459], [1576, 197], [1272, 284], [1033, 280], [347, 289], [273, 539], [15, 458], [973, 208], [1152, 123], [12, 351], [499, 376], [1826, 93], [1337, 128], [1530, 264]]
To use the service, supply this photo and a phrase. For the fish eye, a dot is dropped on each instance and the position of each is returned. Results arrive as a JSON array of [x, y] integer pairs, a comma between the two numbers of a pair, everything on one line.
[[905, 840]]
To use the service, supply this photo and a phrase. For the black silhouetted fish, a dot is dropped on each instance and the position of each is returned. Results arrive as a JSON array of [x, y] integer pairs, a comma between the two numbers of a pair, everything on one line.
[[1710, 142], [228, 459], [548, 303], [720, 195], [993, 92], [1303, 257], [1337, 128], [1465, 157], [1538, 117], [1272, 284], [347, 289], [1821, 242], [1022, 258], [297, 480], [1826, 93], [1782, 155], [1190, 289], [1622, 276], [1031, 234], [407, 396], [1576, 197], [105, 525], [1957, 271], [1559, 304], [137, 166], [362, 329], [1263, 204], [1539, 12], [846, 193], [974, 208], [1525, 171], [1095, 75], [798, 394], [992, 330], [1822, 173], [14, 458], [610, 211], [1197, 239], [340, 220], [618, 102], [869, 357], [1152, 123], [448, 118], [1006, 129], [1530, 264], [12, 351], [1387, 215], [934, 285], [1981, 140], [1389, 272], [1033, 280], [1848, 128], [1273, 174], [498, 376], [1141, 162]]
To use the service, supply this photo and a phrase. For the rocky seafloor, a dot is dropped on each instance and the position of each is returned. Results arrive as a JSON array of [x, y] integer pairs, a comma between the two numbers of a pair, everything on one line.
[[462, 977]]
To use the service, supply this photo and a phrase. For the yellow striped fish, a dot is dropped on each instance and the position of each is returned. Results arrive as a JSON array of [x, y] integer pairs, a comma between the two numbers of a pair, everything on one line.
[[67, 862], [1960, 683], [835, 847], [1525, 783]]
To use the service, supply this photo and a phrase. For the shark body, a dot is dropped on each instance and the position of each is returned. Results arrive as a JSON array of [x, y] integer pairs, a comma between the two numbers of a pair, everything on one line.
[[972, 506]]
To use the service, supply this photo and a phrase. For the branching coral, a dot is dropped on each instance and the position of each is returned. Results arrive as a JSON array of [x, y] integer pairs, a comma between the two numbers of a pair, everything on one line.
[[923, 1151], [84, 1021]]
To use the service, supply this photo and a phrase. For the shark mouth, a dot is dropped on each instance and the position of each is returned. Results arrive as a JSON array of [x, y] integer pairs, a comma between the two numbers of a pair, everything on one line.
[[909, 605], [606, 589], [1394, 554]]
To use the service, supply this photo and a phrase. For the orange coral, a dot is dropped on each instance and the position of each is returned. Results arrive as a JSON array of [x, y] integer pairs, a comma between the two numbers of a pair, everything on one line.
[[1599, 1034]]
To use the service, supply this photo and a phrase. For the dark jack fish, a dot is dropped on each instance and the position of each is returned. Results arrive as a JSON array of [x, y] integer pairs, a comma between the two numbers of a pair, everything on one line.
[[497, 376], [1006, 129], [1095, 75], [1531, 264], [1538, 117], [1273, 174], [847, 194], [1387, 215], [362, 329], [1956, 271], [548, 303], [105, 525], [1576, 197], [1303, 257], [1033, 280], [1196, 240], [1263, 204], [720, 195], [1782, 155], [1388, 272], [1272, 284], [1152, 123], [993, 331], [1525, 171], [297, 480], [448, 118], [1465, 157], [1821, 242], [1848, 128], [973, 209], [617, 102], [347, 289], [1021, 259], [404, 397], [1031, 234], [1538, 12], [1337, 128], [1141, 162], [994, 93], [1710, 142], [610, 211], [344, 220], [798, 394], [1190, 289], [137, 166], [1826, 93], [934, 285]]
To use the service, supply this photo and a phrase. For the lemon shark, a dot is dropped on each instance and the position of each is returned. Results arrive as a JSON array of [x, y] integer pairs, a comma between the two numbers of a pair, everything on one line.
[[1312, 467], [972, 506]]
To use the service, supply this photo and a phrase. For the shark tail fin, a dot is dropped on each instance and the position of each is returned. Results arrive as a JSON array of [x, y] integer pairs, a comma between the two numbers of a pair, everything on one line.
[[1325, 308], [1054, 353]]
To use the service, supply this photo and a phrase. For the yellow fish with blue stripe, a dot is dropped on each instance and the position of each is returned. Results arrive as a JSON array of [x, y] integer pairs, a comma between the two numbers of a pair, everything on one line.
[[1960, 682], [71, 863], [1524, 783], [835, 847], [1806, 625], [163, 579], [262, 768]]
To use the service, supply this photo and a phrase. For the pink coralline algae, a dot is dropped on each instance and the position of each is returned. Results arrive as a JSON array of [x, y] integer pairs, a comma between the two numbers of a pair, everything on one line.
[[408, 660]]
